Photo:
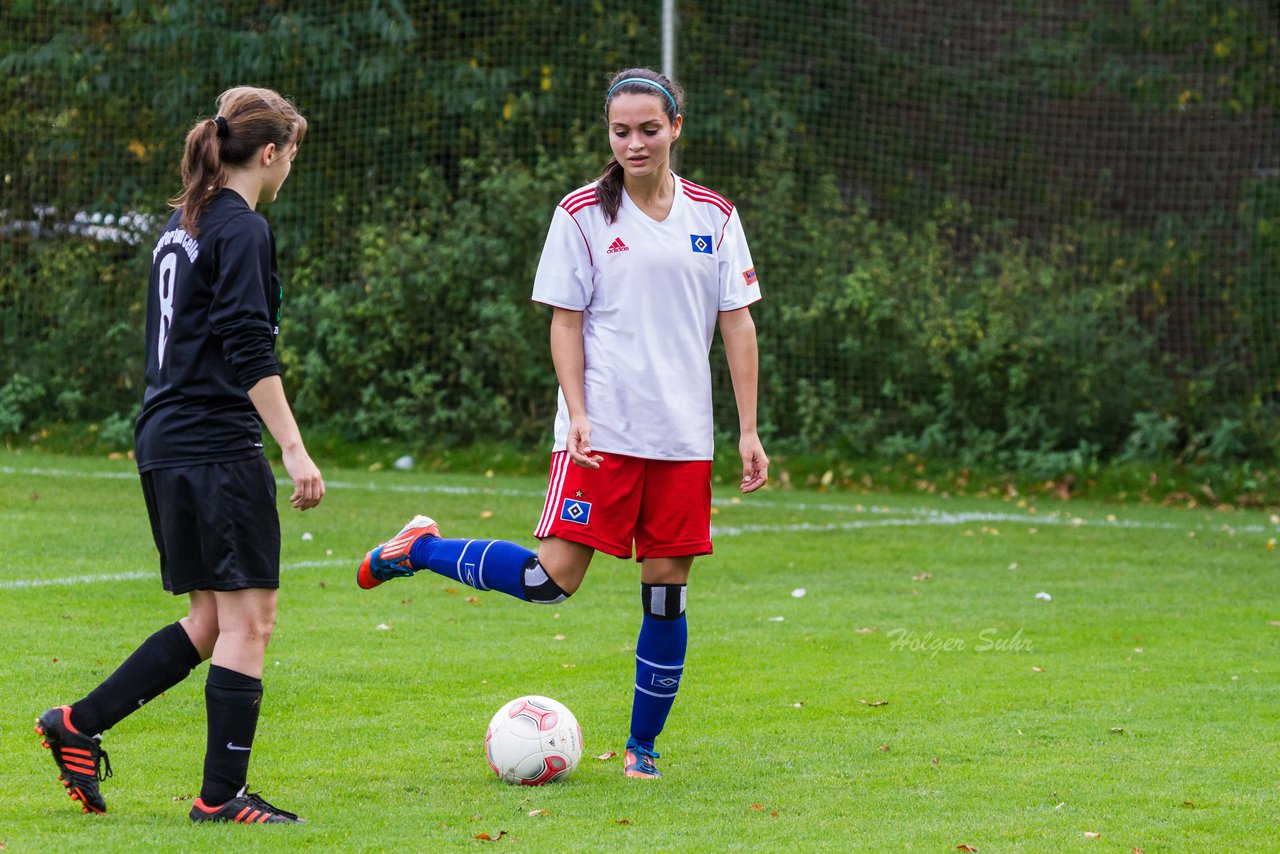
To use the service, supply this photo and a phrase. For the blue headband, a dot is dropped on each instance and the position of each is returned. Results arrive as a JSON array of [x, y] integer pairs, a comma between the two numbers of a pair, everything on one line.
[[654, 83]]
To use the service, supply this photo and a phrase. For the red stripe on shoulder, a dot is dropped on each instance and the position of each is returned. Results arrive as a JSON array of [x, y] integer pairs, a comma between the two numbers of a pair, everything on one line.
[[702, 194], [579, 199], [573, 207], [706, 190]]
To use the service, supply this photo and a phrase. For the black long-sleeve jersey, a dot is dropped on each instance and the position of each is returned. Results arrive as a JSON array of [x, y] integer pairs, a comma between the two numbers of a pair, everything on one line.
[[213, 312]]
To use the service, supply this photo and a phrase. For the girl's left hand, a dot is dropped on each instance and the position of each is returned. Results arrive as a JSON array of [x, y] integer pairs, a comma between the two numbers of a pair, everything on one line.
[[755, 465]]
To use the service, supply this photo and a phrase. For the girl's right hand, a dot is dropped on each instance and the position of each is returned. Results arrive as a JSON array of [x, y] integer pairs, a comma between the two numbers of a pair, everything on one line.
[[578, 443], [308, 483]]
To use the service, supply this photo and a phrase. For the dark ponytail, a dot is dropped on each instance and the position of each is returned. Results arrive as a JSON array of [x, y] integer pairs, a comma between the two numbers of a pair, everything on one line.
[[638, 81], [248, 118]]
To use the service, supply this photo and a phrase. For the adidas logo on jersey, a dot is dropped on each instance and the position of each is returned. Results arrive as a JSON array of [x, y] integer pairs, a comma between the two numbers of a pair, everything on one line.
[[616, 246]]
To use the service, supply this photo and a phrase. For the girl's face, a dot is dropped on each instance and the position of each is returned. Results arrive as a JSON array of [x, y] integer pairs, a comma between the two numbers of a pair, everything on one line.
[[641, 134]]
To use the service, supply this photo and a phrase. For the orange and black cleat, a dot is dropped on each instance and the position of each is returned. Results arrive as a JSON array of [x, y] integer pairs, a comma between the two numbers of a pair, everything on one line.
[[391, 559], [82, 763], [245, 809]]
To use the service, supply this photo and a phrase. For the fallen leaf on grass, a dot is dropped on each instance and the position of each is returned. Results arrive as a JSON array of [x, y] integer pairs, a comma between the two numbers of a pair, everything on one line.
[[757, 807], [1089, 834], [934, 762], [568, 666], [624, 821], [474, 600], [452, 591], [558, 637], [486, 514], [866, 630], [923, 576], [963, 847], [1137, 850], [533, 813], [883, 747], [874, 702], [1059, 806], [1188, 804], [382, 627], [476, 817], [1118, 730], [487, 838], [609, 755], [1037, 670]]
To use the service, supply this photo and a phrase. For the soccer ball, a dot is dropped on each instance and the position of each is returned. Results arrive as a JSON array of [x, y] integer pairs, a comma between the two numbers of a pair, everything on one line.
[[533, 740]]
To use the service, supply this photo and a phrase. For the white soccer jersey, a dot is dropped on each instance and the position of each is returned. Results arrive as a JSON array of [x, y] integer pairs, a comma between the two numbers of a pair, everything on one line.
[[651, 293]]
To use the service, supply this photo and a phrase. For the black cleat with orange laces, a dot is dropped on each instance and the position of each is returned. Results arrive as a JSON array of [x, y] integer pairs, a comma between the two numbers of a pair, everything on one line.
[[244, 808], [82, 763]]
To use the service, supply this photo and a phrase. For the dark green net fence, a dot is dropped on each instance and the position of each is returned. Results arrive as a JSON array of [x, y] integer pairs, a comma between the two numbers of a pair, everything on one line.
[[1019, 232]]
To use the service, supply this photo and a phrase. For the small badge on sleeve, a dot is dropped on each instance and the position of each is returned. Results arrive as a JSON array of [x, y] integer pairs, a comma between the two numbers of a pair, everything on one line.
[[750, 276], [701, 243], [573, 510]]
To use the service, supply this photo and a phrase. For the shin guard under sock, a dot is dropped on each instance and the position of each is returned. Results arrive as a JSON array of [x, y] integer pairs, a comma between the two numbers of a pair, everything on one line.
[[232, 701], [660, 651], [160, 662], [488, 565]]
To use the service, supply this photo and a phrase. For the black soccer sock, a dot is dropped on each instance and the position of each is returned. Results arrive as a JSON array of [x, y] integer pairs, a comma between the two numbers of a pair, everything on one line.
[[231, 702], [162, 661]]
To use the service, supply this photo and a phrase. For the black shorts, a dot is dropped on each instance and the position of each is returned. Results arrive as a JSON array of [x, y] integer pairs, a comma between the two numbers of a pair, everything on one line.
[[215, 525]]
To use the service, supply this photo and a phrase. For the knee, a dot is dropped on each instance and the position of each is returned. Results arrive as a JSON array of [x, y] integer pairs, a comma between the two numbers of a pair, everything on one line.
[[540, 588], [202, 631], [260, 627], [251, 629]]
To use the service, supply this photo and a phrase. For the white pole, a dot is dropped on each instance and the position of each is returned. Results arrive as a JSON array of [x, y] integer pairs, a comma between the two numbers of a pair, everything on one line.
[[669, 38]]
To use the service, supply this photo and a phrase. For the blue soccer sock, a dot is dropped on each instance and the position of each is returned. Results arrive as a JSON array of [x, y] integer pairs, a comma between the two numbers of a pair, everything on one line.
[[488, 565], [660, 650]]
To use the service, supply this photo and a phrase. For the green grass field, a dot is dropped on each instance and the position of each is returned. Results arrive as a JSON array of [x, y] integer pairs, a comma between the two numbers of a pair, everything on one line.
[[918, 696]]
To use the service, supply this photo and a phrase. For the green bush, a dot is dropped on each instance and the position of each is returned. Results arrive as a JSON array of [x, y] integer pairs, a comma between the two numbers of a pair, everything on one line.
[[947, 339]]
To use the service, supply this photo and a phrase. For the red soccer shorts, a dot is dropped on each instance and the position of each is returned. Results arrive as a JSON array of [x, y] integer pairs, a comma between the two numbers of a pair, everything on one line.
[[663, 506]]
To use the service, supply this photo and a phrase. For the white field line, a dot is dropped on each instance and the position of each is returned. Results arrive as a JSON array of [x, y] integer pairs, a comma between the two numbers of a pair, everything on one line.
[[24, 583], [915, 515]]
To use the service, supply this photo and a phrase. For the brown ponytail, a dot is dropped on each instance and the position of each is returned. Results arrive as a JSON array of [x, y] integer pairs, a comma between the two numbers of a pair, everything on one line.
[[248, 118], [634, 81]]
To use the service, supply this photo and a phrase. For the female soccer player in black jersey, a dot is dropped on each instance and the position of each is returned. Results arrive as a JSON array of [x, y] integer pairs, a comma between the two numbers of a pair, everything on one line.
[[213, 309]]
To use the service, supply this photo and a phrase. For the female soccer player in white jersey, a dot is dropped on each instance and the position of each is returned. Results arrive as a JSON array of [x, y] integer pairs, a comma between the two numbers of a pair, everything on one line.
[[213, 309], [639, 267]]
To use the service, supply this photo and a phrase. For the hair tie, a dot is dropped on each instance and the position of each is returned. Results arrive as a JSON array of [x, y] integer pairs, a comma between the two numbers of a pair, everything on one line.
[[223, 130], [654, 83]]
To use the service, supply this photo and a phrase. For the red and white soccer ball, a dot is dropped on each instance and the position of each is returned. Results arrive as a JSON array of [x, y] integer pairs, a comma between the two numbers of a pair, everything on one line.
[[533, 740]]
